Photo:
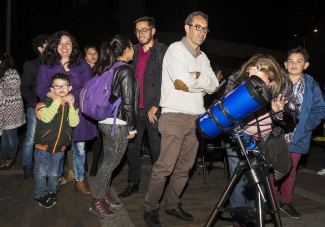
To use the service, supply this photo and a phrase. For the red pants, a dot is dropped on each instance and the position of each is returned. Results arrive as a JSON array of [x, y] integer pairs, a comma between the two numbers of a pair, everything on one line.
[[288, 182]]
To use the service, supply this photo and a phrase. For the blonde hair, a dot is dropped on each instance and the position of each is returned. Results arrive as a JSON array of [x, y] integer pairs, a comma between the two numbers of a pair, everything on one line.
[[267, 64]]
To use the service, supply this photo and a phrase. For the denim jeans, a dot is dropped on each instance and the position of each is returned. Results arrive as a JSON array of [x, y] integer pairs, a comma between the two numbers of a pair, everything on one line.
[[324, 150], [114, 149], [46, 171], [9, 142], [79, 157], [241, 195], [28, 145]]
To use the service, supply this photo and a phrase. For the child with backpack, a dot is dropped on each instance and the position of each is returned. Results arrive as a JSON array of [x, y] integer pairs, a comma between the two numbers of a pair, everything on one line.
[[54, 121], [115, 139]]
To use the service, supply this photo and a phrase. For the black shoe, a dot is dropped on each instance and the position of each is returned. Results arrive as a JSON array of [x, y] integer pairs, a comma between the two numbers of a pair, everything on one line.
[[178, 212], [152, 218], [132, 188], [28, 172], [94, 169], [288, 209], [52, 195], [45, 201]]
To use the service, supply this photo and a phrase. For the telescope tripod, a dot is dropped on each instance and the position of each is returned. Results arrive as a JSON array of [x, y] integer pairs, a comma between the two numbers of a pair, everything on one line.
[[257, 175]]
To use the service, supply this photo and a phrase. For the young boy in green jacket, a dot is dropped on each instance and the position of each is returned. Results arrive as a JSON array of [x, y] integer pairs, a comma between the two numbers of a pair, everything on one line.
[[55, 119]]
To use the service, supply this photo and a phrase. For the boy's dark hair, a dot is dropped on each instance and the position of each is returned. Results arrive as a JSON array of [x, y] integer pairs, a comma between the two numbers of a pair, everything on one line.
[[150, 20], [299, 50], [60, 76], [39, 41]]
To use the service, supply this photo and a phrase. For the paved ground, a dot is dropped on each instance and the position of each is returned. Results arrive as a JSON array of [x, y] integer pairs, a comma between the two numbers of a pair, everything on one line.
[[18, 208]]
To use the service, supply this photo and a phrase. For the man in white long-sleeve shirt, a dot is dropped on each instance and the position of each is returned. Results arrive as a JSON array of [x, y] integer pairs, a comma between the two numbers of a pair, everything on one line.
[[186, 77]]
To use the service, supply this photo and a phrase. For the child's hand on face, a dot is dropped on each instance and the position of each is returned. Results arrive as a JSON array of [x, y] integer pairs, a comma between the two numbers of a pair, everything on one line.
[[70, 100]]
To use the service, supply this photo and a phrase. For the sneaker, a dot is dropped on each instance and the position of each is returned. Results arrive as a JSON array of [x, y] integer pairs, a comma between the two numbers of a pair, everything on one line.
[[98, 207], [111, 203], [288, 209], [52, 195], [152, 218], [45, 201], [321, 172]]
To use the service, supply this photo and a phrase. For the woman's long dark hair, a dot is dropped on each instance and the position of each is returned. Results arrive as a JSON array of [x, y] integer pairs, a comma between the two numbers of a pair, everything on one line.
[[90, 46], [7, 62], [50, 56], [110, 50]]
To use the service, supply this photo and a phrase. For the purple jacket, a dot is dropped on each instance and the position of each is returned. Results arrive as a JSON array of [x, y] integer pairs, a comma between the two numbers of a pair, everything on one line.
[[79, 75]]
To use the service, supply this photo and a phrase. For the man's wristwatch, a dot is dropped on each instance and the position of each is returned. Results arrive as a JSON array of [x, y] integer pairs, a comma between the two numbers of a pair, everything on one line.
[[197, 75]]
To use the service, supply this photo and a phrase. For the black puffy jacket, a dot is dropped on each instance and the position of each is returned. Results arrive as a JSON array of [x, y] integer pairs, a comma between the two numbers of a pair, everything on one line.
[[125, 85]]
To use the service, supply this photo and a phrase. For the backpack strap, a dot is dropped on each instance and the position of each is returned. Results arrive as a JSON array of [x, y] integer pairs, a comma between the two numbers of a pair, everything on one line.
[[116, 104]]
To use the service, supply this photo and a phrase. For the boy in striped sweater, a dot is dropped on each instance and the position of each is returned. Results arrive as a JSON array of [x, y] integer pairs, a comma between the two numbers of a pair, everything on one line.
[[55, 119]]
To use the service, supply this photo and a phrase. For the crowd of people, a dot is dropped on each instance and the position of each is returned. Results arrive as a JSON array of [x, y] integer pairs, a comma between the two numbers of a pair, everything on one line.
[[163, 91]]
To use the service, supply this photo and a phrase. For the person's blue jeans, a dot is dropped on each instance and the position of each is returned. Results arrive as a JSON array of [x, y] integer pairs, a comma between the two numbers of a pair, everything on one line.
[[241, 195], [46, 171], [79, 155], [9, 142], [28, 145], [324, 150], [61, 168]]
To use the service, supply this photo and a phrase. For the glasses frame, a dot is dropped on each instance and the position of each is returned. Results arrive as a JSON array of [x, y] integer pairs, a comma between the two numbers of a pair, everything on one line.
[[142, 31], [200, 28], [59, 87]]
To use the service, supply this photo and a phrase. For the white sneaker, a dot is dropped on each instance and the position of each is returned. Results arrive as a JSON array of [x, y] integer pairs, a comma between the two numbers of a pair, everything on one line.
[[321, 172]]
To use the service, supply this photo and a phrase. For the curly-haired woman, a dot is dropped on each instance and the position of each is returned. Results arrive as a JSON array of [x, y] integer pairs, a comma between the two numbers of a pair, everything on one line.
[[62, 55]]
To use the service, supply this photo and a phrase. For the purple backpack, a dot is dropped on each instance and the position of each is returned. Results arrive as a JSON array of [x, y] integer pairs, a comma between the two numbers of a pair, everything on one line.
[[94, 97]]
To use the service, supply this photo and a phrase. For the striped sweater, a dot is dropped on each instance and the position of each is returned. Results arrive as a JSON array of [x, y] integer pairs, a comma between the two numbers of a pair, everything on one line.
[[54, 125]]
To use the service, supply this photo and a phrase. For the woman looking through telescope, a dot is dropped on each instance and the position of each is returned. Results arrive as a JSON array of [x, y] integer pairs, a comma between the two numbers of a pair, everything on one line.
[[268, 69]]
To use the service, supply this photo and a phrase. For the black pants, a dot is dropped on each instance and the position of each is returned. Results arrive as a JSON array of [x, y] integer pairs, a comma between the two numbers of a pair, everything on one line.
[[134, 148]]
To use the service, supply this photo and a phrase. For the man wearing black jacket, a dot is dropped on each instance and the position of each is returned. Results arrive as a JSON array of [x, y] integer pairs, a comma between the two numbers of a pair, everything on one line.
[[27, 89], [147, 62]]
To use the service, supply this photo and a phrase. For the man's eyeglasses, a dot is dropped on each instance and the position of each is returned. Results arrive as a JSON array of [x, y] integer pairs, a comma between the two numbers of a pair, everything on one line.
[[63, 86], [143, 31], [200, 28]]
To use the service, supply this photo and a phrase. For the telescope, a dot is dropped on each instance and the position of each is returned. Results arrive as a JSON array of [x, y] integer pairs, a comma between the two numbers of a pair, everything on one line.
[[229, 111]]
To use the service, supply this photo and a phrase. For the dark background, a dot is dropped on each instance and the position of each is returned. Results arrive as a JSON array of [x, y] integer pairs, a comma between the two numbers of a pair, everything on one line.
[[276, 24]]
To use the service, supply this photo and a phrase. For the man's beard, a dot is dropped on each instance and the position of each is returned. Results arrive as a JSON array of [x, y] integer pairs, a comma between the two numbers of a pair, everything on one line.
[[145, 42]]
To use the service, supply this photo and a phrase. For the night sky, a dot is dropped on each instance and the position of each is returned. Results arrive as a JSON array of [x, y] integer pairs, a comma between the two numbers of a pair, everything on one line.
[[269, 24]]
